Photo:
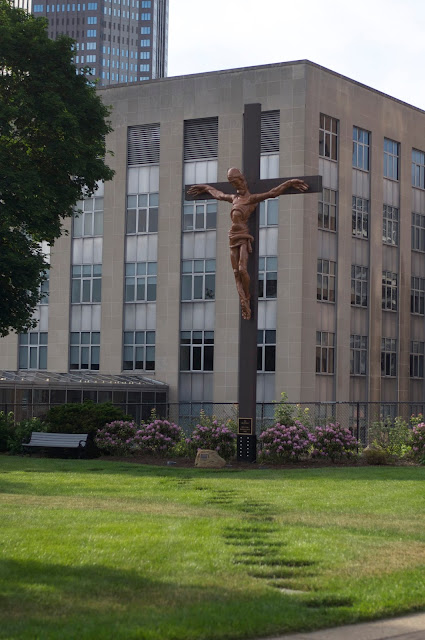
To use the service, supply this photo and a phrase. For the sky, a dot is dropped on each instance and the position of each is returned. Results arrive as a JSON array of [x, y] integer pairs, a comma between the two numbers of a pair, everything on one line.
[[380, 43]]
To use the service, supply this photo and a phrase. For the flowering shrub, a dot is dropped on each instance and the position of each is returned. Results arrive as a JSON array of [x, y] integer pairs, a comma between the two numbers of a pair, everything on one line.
[[286, 443], [418, 440], [157, 437], [212, 435], [117, 437], [333, 442]]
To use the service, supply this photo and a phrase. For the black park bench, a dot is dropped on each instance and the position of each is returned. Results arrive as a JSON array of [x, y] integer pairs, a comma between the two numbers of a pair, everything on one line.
[[60, 442]]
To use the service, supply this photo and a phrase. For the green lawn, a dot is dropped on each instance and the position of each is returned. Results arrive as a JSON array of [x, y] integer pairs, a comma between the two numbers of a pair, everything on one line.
[[98, 549]]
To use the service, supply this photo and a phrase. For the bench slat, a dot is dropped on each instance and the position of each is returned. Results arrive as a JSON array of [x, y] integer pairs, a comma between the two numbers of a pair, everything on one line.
[[57, 440]]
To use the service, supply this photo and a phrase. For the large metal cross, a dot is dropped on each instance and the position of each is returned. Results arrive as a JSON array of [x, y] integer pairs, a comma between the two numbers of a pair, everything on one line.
[[247, 388]]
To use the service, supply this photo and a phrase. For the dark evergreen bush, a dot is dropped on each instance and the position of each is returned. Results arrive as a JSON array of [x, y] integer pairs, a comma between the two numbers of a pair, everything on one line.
[[82, 418]]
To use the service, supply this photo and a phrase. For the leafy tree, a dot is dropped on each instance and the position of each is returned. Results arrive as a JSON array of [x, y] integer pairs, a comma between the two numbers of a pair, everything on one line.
[[52, 149]]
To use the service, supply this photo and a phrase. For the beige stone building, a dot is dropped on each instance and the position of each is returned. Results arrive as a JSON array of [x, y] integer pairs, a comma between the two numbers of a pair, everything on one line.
[[143, 284]]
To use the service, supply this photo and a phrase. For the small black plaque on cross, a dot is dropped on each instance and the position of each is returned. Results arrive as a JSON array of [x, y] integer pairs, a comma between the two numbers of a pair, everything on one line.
[[247, 388]]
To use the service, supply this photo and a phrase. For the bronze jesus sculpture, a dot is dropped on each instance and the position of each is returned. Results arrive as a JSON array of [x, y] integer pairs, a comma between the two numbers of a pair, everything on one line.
[[240, 240]]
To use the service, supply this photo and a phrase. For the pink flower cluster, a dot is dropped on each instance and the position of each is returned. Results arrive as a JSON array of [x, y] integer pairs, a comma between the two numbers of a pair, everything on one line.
[[123, 438], [116, 437], [333, 442], [157, 437], [213, 436], [283, 443], [418, 440], [286, 443]]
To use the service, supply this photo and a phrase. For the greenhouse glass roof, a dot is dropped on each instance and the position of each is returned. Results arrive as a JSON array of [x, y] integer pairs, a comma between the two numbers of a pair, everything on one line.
[[78, 378]]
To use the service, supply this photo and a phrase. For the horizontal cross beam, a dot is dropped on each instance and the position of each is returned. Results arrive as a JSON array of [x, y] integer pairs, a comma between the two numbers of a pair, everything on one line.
[[314, 186]]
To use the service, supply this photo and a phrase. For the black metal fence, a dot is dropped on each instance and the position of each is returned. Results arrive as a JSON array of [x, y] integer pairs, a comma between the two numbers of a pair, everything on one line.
[[357, 416]]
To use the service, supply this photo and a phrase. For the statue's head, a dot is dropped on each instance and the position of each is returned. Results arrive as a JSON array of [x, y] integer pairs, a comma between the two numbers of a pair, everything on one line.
[[237, 179]]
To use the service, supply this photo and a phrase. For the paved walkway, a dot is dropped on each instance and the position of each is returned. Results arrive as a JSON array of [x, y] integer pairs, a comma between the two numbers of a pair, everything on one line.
[[410, 627]]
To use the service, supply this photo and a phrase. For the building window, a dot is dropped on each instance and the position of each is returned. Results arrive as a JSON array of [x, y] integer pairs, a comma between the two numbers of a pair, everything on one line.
[[325, 352], [328, 137], [198, 279], [267, 277], [144, 67], [140, 281], [144, 55], [142, 213], [37, 8], [145, 16], [269, 213], [44, 291], [417, 296], [327, 210], [145, 43], [391, 159], [266, 350], [418, 169], [199, 215], [145, 30], [360, 217], [84, 350], [418, 232], [33, 350], [197, 351], [358, 355], [326, 280], [86, 283], [91, 20], [361, 140], [90, 221], [388, 357], [390, 225], [359, 285], [416, 359], [91, 33], [389, 291], [139, 350], [146, 4]]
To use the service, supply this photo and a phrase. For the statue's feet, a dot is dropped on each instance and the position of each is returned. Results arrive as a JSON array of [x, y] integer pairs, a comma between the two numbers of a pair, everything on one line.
[[246, 309]]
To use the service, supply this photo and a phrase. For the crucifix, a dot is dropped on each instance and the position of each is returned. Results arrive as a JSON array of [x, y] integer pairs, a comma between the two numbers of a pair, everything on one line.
[[243, 241]]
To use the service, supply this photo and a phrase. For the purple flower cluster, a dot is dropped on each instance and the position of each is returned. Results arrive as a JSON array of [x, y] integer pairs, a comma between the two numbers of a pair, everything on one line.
[[283, 443], [212, 436], [333, 442], [157, 437], [124, 438], [418, 440], [286, 443], [116, 438]]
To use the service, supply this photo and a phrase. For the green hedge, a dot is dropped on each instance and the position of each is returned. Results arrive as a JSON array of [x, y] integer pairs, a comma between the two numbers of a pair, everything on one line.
[[82, 418]]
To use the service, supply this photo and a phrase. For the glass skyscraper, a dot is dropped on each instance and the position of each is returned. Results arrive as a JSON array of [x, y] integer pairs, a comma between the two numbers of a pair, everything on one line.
[[121, 41]]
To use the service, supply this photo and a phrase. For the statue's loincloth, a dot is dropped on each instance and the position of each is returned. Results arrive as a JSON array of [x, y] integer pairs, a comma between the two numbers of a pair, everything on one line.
[[239, 238]]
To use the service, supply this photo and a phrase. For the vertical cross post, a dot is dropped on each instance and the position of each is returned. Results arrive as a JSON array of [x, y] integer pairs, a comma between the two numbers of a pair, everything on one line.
[[247, 388]]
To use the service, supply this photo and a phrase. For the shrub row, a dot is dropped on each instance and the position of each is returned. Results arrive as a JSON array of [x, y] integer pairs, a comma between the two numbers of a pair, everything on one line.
[[161, 437], [296, 442], [291, 442]]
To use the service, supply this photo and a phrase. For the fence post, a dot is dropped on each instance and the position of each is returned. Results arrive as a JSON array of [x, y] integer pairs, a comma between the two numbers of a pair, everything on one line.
[[358, 425]]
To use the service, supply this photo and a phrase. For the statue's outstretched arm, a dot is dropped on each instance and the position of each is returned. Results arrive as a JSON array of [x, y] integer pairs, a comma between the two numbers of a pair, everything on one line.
[[199, 189], [294, 183]]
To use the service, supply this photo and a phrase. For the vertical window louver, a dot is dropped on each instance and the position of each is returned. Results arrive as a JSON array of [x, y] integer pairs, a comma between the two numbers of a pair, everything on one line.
[[200, 139], [270, 131], [143, 144]]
